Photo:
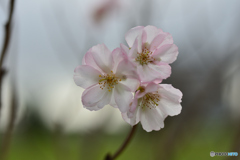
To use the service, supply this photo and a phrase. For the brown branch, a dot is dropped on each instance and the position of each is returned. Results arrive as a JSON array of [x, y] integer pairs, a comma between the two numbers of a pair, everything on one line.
[[124, 145]]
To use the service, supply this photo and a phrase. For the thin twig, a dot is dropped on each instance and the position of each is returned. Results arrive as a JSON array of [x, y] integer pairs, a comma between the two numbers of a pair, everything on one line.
[[124, 145]]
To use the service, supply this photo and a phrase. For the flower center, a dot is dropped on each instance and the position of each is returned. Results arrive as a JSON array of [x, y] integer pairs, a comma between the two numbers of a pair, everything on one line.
[[150, 100], [145, 57], [109, 81]]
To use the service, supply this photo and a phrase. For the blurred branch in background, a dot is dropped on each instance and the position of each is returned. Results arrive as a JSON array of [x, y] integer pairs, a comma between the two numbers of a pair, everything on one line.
[[235, 144], [7, 36], [8, 133], [105, 9], [60, 148], [6, 140]]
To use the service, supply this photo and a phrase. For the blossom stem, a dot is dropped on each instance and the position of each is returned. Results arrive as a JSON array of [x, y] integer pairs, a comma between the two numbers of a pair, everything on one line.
[[124, 145]]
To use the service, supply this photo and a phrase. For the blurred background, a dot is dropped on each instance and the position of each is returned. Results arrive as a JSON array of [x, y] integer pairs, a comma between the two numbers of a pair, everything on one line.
[[49, 39]]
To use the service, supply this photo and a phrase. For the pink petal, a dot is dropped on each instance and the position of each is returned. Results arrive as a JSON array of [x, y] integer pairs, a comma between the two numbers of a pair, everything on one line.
[[152, 72], [126, 69], [170, 100], [168, 53], [122, 98], [133, 105], [117, 56], [131, 83], [133, 115], [112, 101], [139, 44], [163, 70], [172, 93], [151, 32], [146, 74], [102, 57], [167, 40], [149, 87], [132, 34], [124, 49], [134, 50], [157, 41], [86, 76], [95, 98], [89, 60], [144, 37], [135, 118], [152, 119]]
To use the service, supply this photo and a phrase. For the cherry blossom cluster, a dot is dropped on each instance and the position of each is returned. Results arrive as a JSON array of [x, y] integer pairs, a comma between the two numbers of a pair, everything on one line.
[[129, 78]]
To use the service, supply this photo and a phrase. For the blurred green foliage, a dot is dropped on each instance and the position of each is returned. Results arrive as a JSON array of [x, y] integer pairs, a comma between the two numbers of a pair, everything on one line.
[[44, 145]]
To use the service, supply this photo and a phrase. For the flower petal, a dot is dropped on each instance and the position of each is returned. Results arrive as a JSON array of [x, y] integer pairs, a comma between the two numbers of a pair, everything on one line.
[[168, 53], [89, 60], [129, 78], [124, 49], [171, 92], [126, 69], [134, 50], [95, 98], [151, 87], [157, 41], [148, 87], [139, 43], [122, 97], [146, 74], [102, 57], [170, 100], [112, 101], [131, 83], [163, 70], [134, 119], [86, 76], [167, 40], [133, 115], [152, 119], [152, 72], [117, 56], [151, 32], [132, 34]]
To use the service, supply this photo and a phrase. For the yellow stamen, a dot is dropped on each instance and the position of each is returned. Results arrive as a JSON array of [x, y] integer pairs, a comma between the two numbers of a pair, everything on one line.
[[145, 57], [150, 100], [108, 80]]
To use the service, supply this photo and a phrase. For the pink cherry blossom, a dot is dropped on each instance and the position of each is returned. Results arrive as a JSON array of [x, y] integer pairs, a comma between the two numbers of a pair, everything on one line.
[[152, 103], [108, 78], [151, 50]]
